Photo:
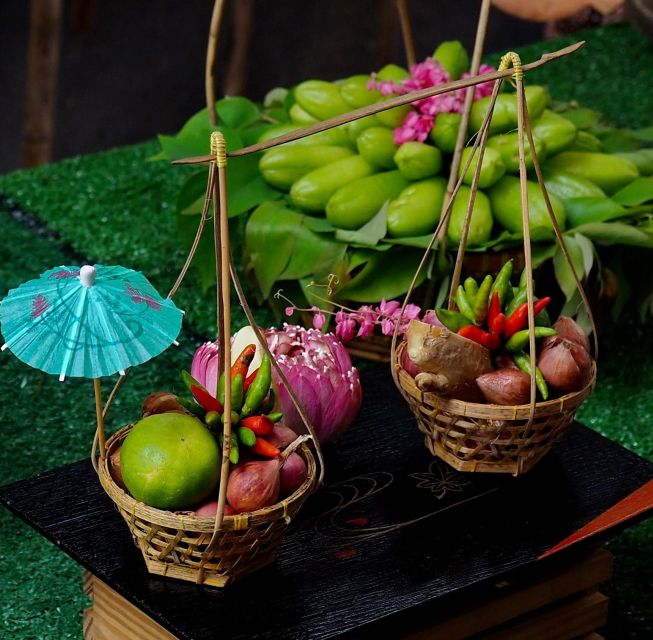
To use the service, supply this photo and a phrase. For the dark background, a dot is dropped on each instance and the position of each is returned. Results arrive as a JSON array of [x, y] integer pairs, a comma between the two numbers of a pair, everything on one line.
[[132, 68]]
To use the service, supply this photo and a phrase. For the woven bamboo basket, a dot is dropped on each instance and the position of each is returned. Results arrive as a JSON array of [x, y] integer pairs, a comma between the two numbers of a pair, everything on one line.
[[484, 437], [487, 437], [177, 545]]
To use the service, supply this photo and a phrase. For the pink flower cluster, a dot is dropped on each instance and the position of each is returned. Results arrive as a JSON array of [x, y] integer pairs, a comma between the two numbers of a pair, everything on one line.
[[424, 75]]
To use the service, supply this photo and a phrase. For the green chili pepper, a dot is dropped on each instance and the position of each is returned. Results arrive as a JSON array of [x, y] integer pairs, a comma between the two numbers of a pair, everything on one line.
[[234, 453], [520, 298], [463, 305], [471, 289], [212, 418], [452, 320], [235, 418], [524, 363], [275, 417], [236, 391], [483, 299], [268, 402], [520, 339], [522, 278], [246, 436], [190, 405], [502, 282], [259, 388]]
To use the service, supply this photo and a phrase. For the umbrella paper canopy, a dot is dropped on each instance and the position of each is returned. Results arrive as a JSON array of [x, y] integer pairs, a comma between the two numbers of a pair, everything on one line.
[[89, 322]]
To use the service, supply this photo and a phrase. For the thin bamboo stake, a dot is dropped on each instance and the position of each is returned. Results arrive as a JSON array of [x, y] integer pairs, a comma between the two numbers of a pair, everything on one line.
[[99, 417], [382, 106], [558, 231], [477, 54], [443, 221], [221, 239], [406, 31], [513, 58], [209, 76], [462, 245]]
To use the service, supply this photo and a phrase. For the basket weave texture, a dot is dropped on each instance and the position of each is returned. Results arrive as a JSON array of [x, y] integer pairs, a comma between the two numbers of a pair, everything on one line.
[[487, 437], [176, 545]]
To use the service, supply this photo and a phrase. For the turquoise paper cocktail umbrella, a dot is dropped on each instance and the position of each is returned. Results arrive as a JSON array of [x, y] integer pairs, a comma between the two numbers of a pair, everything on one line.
[[88, 322]]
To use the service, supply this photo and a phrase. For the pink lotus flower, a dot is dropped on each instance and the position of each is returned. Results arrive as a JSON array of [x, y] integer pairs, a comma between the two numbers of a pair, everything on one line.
[[320, 371], [204, 368]]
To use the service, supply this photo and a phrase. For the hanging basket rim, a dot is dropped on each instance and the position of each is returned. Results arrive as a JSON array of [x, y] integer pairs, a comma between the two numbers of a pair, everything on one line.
[[190, 522], [565, 403]]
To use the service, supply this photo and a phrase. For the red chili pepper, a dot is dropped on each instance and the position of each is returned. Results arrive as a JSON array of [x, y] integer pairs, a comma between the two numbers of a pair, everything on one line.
[[489, 340], [518, 319], [243, 361], [495, 318], [205, 399], [260, 425], [249, 380], [265, 449]]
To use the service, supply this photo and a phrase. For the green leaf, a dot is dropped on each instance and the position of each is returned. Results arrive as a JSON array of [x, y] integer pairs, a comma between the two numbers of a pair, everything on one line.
[[191, 195], [637, 192], [540, 253], [250, 195], [204, 260], [370, 233], [563, 272], [312, 254], [385, 275], [592, 209], [419, 242], [237, 112], [269, 240], [319, 225], [645, 134], [587, 250], [614, 233], [194, 138]]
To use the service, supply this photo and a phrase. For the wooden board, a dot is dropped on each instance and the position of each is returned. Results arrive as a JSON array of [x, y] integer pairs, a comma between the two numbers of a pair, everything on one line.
[[557, 605], [392, 537]]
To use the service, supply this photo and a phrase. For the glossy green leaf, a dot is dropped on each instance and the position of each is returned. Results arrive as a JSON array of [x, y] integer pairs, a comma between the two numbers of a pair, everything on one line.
[[615, 233], [637, 192], [541, 252], [312, 255], [319, 225], [385, 275], [592, 209], [269, 240], [237, 112], [370, 233], [563, 272]]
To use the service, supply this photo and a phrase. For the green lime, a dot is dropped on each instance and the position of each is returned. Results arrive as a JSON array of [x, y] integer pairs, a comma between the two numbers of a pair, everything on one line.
[[170, 461]]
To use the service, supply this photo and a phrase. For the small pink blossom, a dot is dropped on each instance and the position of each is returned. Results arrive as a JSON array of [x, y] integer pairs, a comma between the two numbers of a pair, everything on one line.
[[290, 311], [318, 318], [388, 308], [345, 326], [367, 318]]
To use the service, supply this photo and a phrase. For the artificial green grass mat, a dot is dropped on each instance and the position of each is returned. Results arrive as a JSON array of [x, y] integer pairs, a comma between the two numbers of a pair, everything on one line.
[[116, 208]]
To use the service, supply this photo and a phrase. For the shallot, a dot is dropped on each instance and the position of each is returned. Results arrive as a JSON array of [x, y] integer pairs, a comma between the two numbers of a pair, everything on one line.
[[569, 329], [281, 436], [253, 485], [565, 365], [505, 386], [292, 474]]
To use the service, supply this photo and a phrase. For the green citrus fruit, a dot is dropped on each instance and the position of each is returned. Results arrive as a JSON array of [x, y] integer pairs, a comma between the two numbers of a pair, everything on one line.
[[170, 461]]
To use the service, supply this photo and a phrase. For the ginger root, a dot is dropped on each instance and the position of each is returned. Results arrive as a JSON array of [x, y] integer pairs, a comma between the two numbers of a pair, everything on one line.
[[449, 363]]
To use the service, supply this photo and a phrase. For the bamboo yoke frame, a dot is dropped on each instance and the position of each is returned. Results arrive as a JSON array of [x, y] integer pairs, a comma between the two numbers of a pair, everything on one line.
[[216, 193]]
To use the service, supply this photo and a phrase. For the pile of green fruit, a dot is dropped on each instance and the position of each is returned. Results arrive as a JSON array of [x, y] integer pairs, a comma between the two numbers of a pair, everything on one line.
[[350, 201]]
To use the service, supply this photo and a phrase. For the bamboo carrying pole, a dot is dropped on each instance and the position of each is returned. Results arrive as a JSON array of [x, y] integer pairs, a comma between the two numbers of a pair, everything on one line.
[[383, 106]]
